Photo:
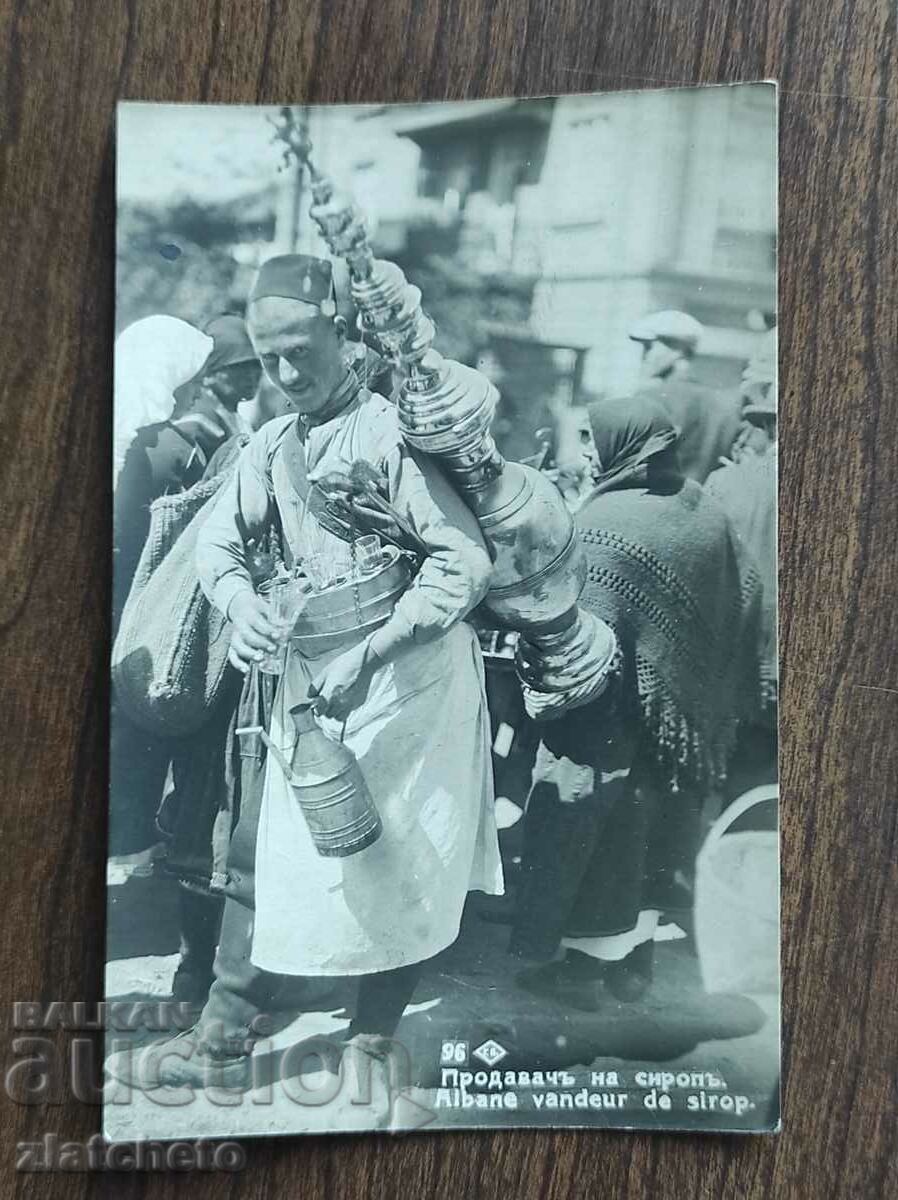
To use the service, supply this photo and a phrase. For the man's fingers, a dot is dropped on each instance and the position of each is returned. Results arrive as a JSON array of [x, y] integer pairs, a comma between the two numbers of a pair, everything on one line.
[[261, 625], [236, 661], [244, 649], [331, 708], [254, 640], [323, 703]]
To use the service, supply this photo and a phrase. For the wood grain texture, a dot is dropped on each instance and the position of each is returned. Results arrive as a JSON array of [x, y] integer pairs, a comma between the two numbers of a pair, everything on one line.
[[65, 62]]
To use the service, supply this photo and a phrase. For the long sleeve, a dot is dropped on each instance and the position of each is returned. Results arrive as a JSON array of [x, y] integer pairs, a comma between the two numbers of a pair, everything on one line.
[[240, 512], [455, 575]]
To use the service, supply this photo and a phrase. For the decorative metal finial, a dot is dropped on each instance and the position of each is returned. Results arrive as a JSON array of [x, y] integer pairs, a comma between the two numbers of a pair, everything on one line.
[[293, 132]]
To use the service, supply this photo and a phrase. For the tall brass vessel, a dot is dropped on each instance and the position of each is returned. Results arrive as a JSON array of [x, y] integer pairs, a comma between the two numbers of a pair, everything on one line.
[[446, 410]]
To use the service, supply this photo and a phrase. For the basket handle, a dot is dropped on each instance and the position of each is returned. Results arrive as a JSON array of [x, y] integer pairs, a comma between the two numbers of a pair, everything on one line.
[[747, 801]]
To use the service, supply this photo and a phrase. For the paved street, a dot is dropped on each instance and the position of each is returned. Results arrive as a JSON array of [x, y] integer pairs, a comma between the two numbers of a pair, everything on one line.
[[469, 996]]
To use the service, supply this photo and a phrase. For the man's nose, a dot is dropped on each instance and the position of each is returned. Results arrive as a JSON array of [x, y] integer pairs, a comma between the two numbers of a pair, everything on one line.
[[287, 373]]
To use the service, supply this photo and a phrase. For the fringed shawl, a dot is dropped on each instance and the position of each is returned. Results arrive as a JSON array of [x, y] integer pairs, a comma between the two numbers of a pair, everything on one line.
[[665, 572]]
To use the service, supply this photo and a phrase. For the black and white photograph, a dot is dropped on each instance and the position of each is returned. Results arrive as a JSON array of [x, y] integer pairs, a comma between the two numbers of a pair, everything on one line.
[[443, 733]]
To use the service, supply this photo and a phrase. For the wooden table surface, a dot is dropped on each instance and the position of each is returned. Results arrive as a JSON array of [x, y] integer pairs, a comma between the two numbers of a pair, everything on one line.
[[65, 62]]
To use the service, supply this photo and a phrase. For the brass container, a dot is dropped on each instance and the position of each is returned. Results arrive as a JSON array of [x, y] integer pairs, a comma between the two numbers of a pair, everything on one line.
[[346, 611], [331, 790], [539, 568]]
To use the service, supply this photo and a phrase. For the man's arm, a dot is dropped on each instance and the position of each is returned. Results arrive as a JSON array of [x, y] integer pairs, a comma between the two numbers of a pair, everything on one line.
[[241, 511], [455, 575]]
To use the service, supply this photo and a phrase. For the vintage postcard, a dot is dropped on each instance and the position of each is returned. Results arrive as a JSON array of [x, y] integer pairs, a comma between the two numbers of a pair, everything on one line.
[[443, 765]]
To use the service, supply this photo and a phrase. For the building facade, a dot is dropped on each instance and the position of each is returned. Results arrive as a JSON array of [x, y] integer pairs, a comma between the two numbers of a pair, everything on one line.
[[609, 205]]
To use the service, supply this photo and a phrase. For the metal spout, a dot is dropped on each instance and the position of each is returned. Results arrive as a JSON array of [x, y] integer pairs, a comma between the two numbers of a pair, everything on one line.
[[275, 750]]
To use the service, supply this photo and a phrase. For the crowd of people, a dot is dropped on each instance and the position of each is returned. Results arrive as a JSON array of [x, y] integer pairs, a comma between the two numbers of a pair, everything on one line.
[[235, 457]]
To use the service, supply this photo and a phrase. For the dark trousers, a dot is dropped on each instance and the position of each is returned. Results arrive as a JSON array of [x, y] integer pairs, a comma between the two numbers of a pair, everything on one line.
[[200, 919], [603, 839], [241, 992], [138, 765]]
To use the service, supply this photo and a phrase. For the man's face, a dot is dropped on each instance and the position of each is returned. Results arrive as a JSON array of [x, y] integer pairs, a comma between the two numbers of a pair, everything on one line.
[[300, 350], [236, 383], [659, 358], [575, 447]]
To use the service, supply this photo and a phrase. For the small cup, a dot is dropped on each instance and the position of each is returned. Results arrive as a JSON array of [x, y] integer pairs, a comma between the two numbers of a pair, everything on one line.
[[369, 554]]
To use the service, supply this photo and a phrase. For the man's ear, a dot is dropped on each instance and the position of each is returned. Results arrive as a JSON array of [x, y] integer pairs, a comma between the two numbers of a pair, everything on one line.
[[340, 328]]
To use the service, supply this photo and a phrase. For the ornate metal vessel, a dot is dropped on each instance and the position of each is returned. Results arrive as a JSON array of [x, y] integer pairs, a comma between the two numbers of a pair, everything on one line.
[[446, 410]]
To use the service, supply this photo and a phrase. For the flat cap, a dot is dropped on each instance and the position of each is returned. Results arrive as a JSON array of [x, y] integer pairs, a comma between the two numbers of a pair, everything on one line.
[[669, 325]]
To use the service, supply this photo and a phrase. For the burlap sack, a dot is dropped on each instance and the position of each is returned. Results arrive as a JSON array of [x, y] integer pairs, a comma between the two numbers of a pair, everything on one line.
[[170, 656]]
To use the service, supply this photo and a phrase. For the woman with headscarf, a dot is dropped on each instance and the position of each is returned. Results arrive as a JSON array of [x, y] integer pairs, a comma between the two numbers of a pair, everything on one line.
[[157, 360], [176, 395], [618, 784]]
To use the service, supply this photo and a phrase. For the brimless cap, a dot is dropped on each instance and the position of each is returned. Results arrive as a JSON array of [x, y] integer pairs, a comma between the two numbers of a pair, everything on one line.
[[297, 277]]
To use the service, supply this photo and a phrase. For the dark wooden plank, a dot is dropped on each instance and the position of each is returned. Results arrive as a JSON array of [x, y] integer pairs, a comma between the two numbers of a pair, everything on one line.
[[64, 64]]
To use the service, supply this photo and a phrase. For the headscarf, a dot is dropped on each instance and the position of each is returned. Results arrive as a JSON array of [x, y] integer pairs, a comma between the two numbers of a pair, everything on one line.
[[664, 570], [627, 433], [153, 358]]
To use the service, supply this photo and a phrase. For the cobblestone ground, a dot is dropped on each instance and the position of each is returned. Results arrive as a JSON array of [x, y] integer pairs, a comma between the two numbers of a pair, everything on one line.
[[468, 997]]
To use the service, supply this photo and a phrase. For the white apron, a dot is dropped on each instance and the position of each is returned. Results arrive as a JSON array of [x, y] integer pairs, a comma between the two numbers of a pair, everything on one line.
[[422, 742]]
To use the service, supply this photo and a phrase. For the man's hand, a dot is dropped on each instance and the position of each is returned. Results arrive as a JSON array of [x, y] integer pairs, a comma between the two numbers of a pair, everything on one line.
[[343, 685], [253, 636]]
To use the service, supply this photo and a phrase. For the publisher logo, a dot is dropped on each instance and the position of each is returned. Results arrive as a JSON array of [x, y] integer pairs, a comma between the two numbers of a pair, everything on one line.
[[491, 1052]]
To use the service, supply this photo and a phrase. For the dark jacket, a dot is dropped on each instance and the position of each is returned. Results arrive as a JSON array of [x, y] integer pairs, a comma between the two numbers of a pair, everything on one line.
[[708, 420]]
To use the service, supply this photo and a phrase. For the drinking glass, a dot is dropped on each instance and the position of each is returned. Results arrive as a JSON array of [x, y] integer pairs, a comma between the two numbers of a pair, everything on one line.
[[285, 601], [341, 564], [368, 554], [330, 568], [315, 568]]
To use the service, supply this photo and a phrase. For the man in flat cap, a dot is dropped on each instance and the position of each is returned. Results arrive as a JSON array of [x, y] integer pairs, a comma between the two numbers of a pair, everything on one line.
[[408, 699], [708, 419], [669, 339]]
